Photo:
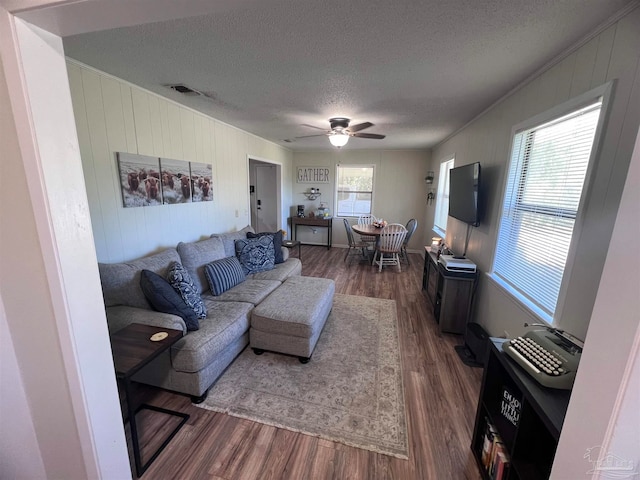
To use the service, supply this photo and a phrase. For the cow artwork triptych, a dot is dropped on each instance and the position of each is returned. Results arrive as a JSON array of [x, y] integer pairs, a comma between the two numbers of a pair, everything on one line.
[[147, 181]]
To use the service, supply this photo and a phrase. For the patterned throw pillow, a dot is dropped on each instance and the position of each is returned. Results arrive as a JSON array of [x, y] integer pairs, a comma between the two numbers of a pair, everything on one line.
[[163, 298], [277, 243], [180, 279], [223, 274], [256, 254]]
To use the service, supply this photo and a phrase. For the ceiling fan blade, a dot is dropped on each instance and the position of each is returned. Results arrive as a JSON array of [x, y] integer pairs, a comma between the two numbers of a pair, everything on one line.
[[317, 135], [368, 135], [360, 126], [313, 126]]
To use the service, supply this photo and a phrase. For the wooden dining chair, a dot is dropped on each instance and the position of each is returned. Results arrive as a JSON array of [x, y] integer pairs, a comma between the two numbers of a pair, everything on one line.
[[389, 246], [367, 220], [353, 245], [411, 226]]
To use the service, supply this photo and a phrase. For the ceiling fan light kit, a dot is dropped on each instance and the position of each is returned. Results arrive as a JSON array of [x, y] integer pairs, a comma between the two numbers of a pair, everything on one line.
[[341, 131], [338, 139]]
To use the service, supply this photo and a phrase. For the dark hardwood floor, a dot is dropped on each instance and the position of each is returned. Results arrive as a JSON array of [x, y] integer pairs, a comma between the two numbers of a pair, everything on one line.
[[440, 393]]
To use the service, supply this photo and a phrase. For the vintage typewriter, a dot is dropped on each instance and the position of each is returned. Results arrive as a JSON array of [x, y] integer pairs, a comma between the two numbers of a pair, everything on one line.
[[551, 356]]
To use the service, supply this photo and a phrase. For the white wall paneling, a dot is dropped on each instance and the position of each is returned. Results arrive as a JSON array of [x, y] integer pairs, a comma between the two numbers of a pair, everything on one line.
[[611, 55], [114, 116]]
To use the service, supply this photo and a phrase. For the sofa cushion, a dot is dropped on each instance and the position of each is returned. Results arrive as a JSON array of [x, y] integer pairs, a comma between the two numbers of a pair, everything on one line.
[[277, 243], [225, 323], [223, 274], [182, 282], [298, 308], [291, 267], [256, 254], [121, 281], [164, 298], [195, 255], [250, 291], [229, 239]]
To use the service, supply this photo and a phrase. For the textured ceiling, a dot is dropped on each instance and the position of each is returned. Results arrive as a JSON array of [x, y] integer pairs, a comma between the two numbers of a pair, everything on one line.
[[418, 70]]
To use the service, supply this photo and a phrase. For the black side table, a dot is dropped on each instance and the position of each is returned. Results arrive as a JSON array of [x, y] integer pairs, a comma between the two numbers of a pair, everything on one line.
[[291, 244], [132, 349]]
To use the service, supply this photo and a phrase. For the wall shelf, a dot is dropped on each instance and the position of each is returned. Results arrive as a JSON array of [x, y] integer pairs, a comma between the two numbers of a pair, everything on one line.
[[311, 196]]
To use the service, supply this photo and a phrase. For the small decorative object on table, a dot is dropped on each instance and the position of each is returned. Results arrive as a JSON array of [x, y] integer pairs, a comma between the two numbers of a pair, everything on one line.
[[323, 211], [435, 244], [380, 223]]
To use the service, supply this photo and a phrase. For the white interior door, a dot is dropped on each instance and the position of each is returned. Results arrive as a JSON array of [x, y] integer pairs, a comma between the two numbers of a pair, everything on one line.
[[266, 198]]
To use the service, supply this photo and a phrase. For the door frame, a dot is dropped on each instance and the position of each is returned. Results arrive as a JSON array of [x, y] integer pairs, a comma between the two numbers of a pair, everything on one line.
[[282, 218]]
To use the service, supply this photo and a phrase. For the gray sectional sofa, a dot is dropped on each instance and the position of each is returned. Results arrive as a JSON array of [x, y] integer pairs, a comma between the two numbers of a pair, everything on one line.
[[194, 363]]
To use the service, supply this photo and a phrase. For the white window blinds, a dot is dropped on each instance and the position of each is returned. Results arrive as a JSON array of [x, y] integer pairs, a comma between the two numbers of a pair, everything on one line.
[[354, 192], [546, 177], [442, 199]]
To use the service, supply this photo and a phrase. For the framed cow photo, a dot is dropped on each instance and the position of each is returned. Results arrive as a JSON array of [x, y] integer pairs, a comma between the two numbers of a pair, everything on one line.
[[139, 180], [176, 181], [201, 186]]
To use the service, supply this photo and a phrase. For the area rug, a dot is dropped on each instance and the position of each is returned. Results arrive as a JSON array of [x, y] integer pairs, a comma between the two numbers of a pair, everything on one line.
[[350, 392]]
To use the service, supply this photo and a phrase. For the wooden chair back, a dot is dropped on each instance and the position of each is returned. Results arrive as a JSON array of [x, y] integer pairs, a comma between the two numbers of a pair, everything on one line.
[[350, 238], [391, 238], [366, 219], [412, 224]]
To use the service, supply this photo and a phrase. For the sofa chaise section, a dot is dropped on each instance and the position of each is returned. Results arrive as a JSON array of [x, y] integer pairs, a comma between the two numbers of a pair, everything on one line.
[[195, 362]]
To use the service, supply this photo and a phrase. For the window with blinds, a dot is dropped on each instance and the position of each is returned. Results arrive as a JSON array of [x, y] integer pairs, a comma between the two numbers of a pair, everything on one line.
[[354, 192], [442, 198], [543, 191]]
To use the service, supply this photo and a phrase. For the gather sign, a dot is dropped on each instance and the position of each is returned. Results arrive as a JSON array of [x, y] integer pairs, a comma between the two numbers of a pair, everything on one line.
[[312, 175]]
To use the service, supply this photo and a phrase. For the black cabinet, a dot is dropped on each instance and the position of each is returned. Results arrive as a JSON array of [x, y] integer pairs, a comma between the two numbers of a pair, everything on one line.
[[450, 294], [527, 416]]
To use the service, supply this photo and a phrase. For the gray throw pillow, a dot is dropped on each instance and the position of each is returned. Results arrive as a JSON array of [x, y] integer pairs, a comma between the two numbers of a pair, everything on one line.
[[163, 298], [256, 254], [180, 279]]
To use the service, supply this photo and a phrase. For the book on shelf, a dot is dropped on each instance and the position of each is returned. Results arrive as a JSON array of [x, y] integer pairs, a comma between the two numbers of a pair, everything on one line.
[[500, 466], [487, 443], [495, 458]]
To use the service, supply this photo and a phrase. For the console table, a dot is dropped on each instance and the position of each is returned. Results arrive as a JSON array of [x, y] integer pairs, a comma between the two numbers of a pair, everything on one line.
[[450, 294], [312, 222], [132, 349]]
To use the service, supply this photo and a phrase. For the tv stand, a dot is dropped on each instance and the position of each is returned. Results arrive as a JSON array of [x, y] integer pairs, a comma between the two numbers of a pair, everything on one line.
[[450, 293]]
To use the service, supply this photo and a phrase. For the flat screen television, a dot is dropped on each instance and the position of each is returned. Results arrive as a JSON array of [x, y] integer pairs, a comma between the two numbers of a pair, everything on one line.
[[464, 185]]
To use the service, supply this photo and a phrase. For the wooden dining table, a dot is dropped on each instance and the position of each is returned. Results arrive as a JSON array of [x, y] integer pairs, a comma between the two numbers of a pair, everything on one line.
[[370, 230]]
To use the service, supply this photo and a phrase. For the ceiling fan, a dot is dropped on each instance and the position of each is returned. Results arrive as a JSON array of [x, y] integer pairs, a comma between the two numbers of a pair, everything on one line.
[[341, 131]]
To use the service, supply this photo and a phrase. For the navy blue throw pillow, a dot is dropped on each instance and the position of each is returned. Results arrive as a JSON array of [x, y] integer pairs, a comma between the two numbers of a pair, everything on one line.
[[181, 281], [163, 298], [277, 243], [223, 274], [256, 254]]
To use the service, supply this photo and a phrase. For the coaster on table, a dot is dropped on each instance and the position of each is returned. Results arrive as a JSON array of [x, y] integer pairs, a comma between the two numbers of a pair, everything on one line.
[[156, 337]]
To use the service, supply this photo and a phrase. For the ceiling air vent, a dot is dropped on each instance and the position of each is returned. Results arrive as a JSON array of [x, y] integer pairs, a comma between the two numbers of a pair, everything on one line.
[[179, 87]]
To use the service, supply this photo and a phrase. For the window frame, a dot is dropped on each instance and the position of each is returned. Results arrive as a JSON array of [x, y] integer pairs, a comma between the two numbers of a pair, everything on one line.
[[604, 92], [443, 175], [338, 191]]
